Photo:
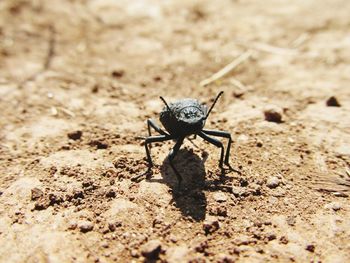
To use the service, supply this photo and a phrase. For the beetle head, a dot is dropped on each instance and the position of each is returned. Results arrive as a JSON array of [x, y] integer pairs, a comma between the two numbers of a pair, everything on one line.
[[192, 114]]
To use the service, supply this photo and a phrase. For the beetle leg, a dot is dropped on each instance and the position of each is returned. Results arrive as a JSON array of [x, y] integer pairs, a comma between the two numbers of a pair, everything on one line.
[[225, 135], [149, 140], [171, 157], [215, 142], [152, 139], [153, 124]]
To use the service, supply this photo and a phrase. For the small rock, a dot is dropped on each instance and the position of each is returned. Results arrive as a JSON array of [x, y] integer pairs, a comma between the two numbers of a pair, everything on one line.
[[76, 135], [271, 236], [104, 244], [151, 249], [259, 250], [110, 193], [173, 238], [273, 114], [86, 226], [334, 205], [78, 193], [291, 220], [95, 88], [72, 225], [118, 73], [157, 78], [284, 240], [237, 191], [243, 182], [210, 225], [201, 247], [310, 248], [242, 240], [112, 226], [134, 253], [36, 194], [42, 204], [220, 197], [340, 194], [221, 211], [332, 102], [177, 254], [98, 144], [272, 182], [223, 258]]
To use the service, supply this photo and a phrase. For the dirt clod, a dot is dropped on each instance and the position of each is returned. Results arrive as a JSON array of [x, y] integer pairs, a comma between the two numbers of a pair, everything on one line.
[[75, 135], [210, 225], [283, 240], [333, 102], [310, 248], [36, 194]]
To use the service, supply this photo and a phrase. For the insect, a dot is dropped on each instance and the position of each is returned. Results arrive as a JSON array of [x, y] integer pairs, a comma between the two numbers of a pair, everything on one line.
[[181, 119]]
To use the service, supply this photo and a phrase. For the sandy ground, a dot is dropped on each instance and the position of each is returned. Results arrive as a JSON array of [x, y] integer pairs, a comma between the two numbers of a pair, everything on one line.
[[78, 80]]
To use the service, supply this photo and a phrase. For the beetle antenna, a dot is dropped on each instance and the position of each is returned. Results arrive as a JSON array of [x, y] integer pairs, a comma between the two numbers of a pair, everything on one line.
[[166, 104], [212, 106]]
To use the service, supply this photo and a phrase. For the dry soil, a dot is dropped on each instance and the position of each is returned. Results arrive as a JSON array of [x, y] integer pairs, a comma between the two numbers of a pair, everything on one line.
[[78, 80]]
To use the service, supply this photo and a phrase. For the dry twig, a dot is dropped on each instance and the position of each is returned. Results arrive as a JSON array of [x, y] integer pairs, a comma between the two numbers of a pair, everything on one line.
[[222, 72], [48, 58]]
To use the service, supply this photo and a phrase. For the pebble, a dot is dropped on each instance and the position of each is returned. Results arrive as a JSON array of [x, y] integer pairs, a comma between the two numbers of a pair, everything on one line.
[[151, 249], [220, 197], [272, 182], [273, 114], [334, 205], [86, 226]]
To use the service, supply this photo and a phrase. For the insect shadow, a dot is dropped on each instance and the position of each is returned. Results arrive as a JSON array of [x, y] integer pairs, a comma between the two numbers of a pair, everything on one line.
[[190, 198]]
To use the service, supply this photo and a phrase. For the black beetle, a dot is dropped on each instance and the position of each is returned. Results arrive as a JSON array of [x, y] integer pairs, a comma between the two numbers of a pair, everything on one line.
[[180, 119]]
